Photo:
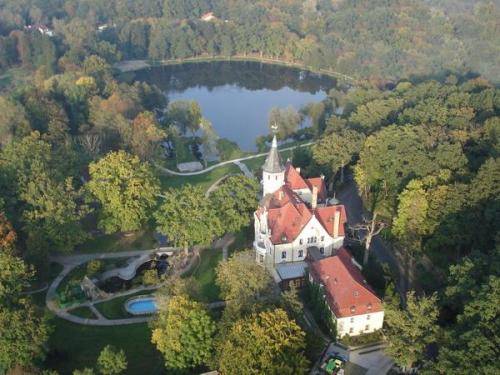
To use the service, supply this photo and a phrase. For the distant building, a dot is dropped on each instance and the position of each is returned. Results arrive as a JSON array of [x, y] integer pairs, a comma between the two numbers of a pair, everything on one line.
[[294, 218], [42, 29], [352, 302], [207, 17]]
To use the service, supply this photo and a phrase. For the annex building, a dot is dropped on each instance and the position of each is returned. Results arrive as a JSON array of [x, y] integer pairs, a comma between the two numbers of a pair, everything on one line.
[[299, 232]]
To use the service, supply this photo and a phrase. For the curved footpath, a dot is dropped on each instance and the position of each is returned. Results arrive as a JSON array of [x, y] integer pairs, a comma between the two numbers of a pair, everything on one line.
[[237, 161], [69, 262]]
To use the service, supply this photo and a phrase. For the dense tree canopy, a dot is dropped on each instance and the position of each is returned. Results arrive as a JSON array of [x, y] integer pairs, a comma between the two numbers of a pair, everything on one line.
[[187, 217], [183, 333], [23, 331], [411, 329], [126, 190], [265, 343], [235, 200]]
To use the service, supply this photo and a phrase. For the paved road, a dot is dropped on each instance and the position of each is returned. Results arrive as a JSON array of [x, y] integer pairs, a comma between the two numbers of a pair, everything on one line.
[[235, 161], [349, 196]]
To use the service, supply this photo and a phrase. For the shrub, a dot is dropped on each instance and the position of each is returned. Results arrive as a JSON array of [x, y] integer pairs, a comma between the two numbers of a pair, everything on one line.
[[150, 277], [94, 267]]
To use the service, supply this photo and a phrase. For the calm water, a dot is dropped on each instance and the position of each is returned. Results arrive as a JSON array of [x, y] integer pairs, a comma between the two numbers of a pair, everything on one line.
[[142, 306], [238, 96]]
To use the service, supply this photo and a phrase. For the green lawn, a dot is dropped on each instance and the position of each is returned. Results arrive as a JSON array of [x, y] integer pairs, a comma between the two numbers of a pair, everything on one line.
[[76, 346], [140, 240], [115, 308], [204, 274], [205, 180], [82, 312]]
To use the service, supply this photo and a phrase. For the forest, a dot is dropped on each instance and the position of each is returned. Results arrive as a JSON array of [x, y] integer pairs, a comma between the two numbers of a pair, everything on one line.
[[381, 40], [419, 134]]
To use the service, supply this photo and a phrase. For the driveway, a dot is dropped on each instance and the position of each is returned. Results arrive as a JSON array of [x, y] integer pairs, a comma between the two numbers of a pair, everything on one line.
[[369, 360], [348, 196]]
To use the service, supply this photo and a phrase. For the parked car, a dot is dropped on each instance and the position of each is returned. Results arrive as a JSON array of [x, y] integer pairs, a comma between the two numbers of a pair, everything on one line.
[[334, 364]]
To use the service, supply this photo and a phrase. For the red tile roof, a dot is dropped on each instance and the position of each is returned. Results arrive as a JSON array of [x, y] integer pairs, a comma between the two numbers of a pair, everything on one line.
[[293, 179], [287, 215], [326, 216], [346, 290], [320, 184], [287, 212]]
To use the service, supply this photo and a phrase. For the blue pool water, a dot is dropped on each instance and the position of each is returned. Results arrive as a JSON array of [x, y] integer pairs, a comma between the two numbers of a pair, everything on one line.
[[142, 306]]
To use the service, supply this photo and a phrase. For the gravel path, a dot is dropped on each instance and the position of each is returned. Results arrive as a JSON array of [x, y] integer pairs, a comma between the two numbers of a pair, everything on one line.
[[235, 161]]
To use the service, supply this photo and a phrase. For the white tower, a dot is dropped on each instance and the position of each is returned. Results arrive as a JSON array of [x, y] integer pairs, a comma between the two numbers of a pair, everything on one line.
[[273, 173]]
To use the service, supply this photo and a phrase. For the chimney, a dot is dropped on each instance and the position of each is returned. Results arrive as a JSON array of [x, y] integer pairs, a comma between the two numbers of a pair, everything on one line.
[[314, 199], [336, 224], [297, 169]]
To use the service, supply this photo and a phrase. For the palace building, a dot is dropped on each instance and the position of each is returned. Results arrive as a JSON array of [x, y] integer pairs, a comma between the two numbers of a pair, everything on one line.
[[299, 231]]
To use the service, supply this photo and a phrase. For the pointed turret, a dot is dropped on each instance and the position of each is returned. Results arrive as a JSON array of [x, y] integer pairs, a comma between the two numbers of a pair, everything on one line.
[[273, 175], [273, 162]]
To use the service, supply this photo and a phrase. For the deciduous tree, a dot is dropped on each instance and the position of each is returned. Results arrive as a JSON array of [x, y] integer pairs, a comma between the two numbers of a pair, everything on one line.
[[265, 343], [126, 190], [411, 329], [235, 200], [187, 217], [183, 332], [23, 331], [111, 361]]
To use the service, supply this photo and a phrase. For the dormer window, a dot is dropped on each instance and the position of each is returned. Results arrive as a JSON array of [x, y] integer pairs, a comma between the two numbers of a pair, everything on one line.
[[369, 306], [356, 293], [353, 309]]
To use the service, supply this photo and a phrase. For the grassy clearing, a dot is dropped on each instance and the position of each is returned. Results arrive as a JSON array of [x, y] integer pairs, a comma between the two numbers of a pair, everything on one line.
[[205, 180], [140, 240], [83, 312], [204, 274], [115, 309], [76, 346]]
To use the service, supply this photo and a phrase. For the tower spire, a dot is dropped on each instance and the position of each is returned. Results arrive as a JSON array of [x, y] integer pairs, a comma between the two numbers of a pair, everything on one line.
[[273, 162]]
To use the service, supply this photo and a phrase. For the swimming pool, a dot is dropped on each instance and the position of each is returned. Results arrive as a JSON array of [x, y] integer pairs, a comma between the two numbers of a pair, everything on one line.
[[141, 305]]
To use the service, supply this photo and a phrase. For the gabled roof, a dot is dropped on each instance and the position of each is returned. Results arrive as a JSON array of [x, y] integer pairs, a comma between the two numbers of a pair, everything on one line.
[[287, 215], [293, 178], [319, 182], [273, 162], [347, 292], [326, 216]]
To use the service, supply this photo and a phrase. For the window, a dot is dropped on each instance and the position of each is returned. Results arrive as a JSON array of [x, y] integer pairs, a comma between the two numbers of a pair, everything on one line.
[[301, 241], [352, 320], [261, 258], [322, 238], [367, 327], [368, 317], [301, 253], [283, 255], [276, 178], [268, 176], [322, 250], [351, 330]]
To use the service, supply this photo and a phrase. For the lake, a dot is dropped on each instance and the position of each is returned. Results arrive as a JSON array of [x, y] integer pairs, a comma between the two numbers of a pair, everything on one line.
[[237, 96]]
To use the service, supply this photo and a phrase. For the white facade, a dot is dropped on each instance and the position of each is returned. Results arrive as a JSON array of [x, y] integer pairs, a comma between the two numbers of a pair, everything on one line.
[[312, 235], [272, 181], [359, 324]]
